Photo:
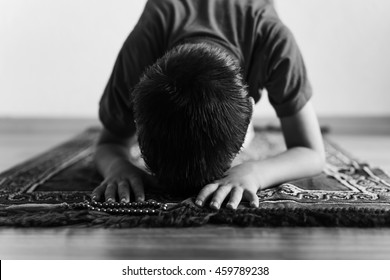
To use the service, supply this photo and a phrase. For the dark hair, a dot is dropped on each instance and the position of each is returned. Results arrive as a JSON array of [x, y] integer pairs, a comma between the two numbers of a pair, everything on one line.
[[191, 111]]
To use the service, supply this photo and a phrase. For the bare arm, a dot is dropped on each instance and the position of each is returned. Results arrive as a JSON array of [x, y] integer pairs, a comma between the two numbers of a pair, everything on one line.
[[304, 157], [121, 177], [110, 149]]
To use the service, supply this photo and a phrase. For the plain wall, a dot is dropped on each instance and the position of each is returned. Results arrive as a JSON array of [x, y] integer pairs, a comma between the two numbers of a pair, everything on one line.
[[56, 56]]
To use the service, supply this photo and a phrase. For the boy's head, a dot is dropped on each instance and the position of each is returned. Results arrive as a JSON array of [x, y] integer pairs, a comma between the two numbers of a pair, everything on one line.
[[192, 112]]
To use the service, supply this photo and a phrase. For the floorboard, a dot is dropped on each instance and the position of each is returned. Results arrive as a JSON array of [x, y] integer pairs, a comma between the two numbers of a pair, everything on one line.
[[195, 243]]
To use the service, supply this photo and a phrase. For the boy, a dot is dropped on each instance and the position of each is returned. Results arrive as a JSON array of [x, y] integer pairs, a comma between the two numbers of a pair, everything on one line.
[[184, 83]]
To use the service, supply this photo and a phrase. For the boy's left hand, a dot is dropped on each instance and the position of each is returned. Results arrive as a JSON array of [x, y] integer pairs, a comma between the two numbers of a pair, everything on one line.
[[241, 181]]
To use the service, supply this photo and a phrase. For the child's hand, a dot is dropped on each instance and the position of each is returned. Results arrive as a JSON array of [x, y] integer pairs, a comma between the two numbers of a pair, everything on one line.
[[124, 177], [241, 181]]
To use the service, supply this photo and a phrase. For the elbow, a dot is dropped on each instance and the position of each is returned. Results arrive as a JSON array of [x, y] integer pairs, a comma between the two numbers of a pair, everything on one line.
[[316, 160], [320, 159]]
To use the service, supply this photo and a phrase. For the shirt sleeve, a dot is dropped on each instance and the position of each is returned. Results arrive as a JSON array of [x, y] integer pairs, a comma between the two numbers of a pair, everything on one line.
[[286, 79], [141, 49]]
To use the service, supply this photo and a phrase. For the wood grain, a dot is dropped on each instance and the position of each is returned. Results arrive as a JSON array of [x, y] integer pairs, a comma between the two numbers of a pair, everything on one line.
[[195, 243]]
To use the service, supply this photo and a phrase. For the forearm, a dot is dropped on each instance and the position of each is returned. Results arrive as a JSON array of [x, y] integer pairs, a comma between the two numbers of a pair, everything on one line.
[[121, 177], [107, 155], [304, 157], [295, 163]]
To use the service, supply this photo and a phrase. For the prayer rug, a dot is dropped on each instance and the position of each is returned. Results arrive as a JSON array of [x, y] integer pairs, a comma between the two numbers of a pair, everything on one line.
[[53, 189]]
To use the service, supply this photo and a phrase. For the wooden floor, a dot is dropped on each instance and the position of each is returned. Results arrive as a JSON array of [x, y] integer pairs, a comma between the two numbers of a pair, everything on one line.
[[23, 138], [195, 243]]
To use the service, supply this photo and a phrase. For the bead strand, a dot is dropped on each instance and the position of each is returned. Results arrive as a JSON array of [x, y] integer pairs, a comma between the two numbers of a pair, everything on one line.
[[141, 204], [150, 207]]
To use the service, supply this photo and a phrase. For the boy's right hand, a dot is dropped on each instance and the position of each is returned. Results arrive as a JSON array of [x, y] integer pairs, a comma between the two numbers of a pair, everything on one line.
[[123, 181]]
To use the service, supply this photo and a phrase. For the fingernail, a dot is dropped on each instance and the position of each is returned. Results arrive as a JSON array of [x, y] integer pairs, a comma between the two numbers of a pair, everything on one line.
[[110, 200], [199, 202], [94, 197], [214, 205], [124, 200], [230, 206]]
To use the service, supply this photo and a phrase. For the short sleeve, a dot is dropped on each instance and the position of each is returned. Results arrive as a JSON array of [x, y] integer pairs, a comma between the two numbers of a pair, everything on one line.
[[142, 48], [286, 79]]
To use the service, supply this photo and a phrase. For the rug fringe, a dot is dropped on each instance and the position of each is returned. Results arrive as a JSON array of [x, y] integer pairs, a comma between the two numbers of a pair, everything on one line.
[[186, 215]]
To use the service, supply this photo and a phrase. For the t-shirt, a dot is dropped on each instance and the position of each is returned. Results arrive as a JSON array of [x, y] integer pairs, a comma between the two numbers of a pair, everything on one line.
[[250, 29]]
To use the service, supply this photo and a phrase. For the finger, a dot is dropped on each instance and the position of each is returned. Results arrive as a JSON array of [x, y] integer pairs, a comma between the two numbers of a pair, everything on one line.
[[98, 192], [252, 198], [124, 191], [138, 188], [235, 198], [219, 196], [205, 193], [110, 192]]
